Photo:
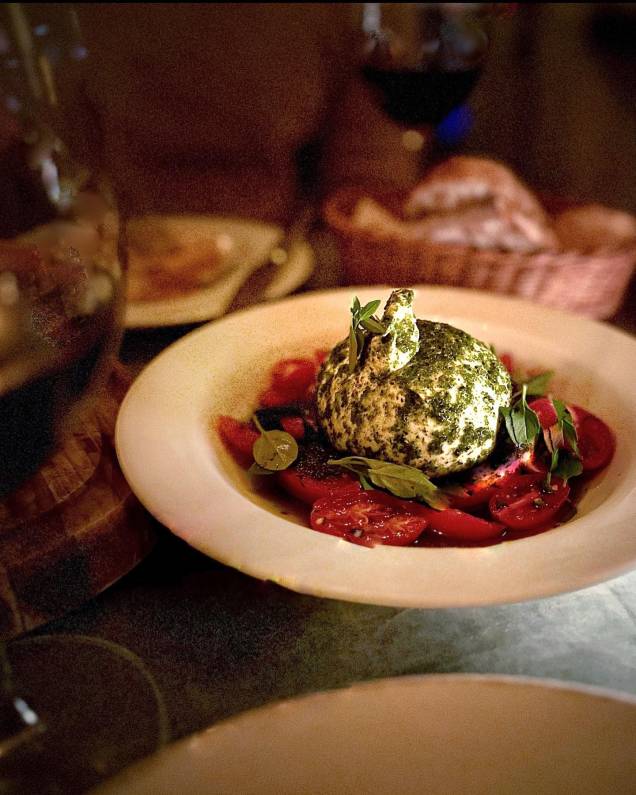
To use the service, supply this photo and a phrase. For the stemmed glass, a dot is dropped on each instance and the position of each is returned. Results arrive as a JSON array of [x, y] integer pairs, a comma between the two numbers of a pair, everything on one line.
[[422, 60], [60, 273]]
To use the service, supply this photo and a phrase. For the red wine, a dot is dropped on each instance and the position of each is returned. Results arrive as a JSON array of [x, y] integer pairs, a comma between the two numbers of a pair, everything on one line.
[[419, 97]]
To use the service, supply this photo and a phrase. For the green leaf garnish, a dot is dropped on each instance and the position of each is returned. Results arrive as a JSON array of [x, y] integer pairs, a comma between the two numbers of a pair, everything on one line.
[[365, 482], [403, 481], [538, 385], [522, 423], [363, 323], [353, 349], [568, 467], [256, 469], [566, 425], [563, 464], [373, 325], [273, 450]]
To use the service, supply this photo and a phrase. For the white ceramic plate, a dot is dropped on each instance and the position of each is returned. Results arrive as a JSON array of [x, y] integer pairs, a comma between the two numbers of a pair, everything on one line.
[[179, 470], [431, 734], [251, 242]]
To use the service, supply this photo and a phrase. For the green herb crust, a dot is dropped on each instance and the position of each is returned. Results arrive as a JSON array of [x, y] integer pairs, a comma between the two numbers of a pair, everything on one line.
[[439, 412]]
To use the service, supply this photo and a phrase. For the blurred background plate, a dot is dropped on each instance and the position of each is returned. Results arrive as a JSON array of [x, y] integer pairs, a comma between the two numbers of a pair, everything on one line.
[[433, 734], [164, 252]]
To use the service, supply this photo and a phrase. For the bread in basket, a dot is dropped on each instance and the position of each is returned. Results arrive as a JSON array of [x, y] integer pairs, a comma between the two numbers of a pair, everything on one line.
[[472, 223]]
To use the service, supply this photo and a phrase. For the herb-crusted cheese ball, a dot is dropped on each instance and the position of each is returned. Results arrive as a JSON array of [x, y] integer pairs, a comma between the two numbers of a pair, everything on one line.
[[424, 394]]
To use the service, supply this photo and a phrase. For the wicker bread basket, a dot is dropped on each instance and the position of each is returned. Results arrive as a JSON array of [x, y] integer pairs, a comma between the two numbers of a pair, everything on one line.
[[590, 283]]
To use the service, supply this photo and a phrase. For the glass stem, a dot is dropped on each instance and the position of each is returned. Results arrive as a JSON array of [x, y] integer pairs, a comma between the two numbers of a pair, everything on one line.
[[18, 722]]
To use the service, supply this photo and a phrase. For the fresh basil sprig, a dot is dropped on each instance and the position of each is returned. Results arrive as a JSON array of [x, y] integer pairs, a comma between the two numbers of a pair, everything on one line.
[[565, 424], [567, 466], [562, 463], [273, 450], [401, 480], [522, 423], [537, 386], [363, 323]]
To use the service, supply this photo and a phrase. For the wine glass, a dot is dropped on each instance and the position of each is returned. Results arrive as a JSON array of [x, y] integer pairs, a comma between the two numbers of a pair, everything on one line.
[[60, 274], [423, 59]]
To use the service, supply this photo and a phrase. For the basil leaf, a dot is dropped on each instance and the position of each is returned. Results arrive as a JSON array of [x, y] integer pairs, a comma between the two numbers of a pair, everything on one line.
[[363, 323], [566, 425], [354, 463], [568, 467], [369, 309], [554, 462], [401, 480], [521, 421], [274, 450], [360, 338], [256, 469], [353, 349], [553, 438], [373, 325], [365, 483], [539, 384]]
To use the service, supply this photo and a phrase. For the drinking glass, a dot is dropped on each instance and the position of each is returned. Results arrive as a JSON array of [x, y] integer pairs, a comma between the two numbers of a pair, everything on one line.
[[60, 274], [423, 59]]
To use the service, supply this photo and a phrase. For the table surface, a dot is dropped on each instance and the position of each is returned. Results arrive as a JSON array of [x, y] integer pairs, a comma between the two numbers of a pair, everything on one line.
[[183, 641]]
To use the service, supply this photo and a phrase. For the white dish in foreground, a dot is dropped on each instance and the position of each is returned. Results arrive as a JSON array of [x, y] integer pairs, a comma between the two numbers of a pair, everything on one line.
[[179, 470], [251, 243], [432, 734]]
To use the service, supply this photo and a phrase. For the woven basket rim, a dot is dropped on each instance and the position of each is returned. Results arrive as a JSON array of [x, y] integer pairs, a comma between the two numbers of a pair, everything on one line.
[[338, 206]]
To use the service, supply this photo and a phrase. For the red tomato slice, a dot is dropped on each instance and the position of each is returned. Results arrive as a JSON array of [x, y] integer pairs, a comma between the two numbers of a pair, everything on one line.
[[294, 426], [545, 411], [507, 361], [291, 381], [481, 483], [272, 397], [293, 376], [536, 460], [470, 496], [238, 438], [461, 526], [596, 440], [524, 503], [308, 489], [369, 518]]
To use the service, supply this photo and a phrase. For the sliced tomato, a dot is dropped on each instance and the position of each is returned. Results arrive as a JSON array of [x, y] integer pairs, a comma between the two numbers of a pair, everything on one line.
[[291, 381], [536, 459], [470, 496], [293, 376], [460, 525], [309, 489], [481, 482], [525, 503], [321, 355], [238, 437], [596, 440], [545, 411], [293, 426], [507, 361], [272, 398], [369, 518]]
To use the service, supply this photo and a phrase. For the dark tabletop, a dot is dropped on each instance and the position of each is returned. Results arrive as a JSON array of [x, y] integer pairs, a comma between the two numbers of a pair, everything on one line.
[[183, 641]]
